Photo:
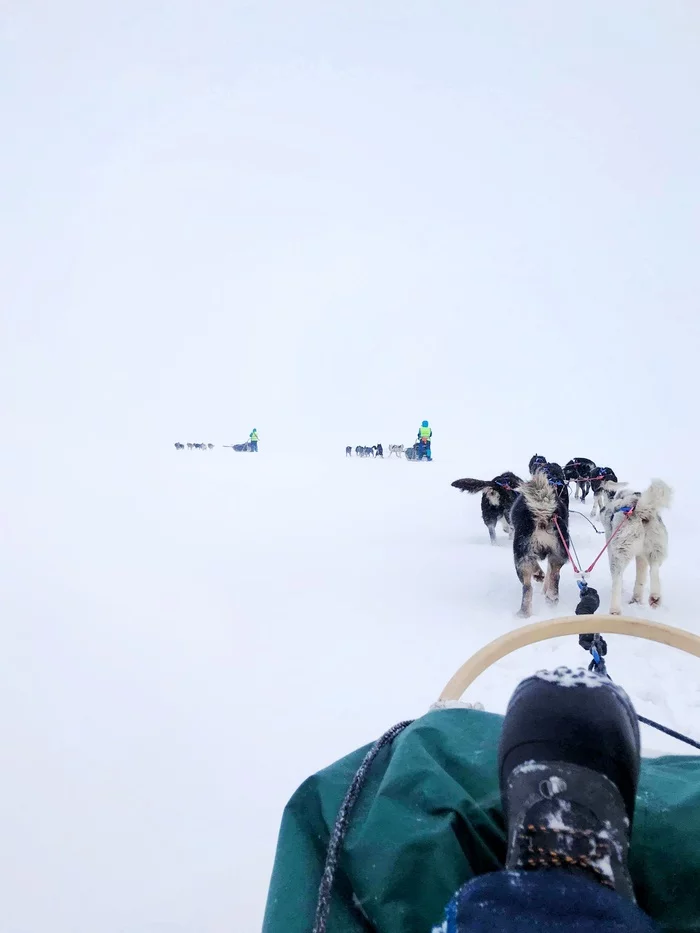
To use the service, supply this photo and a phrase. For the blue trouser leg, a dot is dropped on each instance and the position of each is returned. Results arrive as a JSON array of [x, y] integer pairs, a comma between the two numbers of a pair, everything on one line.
[[543, 901]]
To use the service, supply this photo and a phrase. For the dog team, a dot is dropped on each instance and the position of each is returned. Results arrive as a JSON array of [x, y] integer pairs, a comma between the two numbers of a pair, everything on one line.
[[421, 450], [179, 446], [535, 515], [393, 450], [376, 451], [250, 445]]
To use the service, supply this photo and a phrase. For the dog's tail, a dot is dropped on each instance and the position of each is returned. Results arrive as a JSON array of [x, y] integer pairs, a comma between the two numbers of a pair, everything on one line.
[[657, 496], [540, 498], [471, 485]]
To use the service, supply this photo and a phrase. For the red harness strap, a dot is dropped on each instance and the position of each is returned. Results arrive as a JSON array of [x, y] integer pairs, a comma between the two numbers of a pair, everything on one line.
[[605, 546]]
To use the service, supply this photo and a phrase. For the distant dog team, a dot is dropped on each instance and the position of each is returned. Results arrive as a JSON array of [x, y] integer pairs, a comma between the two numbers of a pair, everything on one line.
[[377, 450]]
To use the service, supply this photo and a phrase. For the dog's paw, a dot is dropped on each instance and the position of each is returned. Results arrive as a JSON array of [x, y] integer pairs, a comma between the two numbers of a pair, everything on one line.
[[523, 614], [552, 600], [654, 601]]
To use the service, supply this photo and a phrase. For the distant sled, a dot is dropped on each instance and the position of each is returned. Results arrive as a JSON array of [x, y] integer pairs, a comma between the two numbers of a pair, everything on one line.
[[240, 448], [416, 453]]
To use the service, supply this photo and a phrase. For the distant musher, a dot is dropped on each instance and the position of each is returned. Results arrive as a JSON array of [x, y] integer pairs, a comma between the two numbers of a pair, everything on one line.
[[425, 432]]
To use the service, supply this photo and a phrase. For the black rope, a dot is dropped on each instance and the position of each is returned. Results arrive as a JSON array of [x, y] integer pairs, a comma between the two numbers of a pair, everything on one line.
[[342, 821], [592, 524], [671, 732], [596, 644]]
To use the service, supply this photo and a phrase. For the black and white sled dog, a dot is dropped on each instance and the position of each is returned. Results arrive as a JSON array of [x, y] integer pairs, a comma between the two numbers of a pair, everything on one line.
[[396, 449], [537, 461], [497, 497], [179, 446], [635, 529], [542, 499], [348, 451], [599, 478], [580, 470]]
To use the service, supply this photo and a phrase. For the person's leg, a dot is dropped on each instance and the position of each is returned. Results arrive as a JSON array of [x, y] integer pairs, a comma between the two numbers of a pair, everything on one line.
[[541, 902], [568, 768]]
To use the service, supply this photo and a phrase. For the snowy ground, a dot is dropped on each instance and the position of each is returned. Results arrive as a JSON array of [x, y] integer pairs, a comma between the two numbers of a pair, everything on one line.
[[189, 635]]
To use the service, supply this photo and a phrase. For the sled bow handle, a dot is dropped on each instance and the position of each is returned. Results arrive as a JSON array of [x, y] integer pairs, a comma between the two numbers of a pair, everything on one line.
[[570, 625]]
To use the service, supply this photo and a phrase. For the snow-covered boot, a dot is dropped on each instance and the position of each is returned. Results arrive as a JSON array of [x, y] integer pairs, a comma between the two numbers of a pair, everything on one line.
[[569, 768]]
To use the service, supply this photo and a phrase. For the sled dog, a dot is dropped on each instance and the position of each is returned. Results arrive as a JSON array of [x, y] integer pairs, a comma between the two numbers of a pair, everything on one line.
[[537, 461], [634, 529], [497, 497], [599, 477], [535, 536], [580, 470]]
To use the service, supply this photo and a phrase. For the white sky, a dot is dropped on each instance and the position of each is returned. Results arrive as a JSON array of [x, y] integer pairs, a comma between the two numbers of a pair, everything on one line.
[[336, 219]]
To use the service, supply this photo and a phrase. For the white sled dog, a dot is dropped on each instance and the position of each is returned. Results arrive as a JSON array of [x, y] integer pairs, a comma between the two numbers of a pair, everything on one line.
[[642, 535], [397, 449]]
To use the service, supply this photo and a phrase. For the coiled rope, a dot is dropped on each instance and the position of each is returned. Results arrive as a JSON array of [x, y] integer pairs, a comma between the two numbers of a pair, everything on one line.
[[323, 905]]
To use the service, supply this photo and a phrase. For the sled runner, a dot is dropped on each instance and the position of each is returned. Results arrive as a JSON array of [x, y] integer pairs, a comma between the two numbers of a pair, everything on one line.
[[427, 816]]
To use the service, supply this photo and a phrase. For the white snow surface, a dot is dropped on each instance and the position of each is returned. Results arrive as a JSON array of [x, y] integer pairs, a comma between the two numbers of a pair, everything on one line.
[[572, 677], [527, 767], [188, 636]]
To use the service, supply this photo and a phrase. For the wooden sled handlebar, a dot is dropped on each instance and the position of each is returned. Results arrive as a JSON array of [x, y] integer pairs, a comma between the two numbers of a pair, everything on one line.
[[571, 625]]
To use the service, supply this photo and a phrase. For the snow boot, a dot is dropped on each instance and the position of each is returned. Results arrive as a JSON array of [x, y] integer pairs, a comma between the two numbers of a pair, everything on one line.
[[568, 763]]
